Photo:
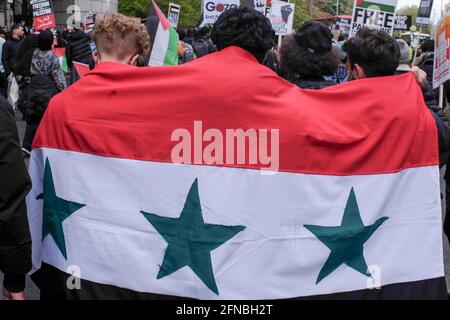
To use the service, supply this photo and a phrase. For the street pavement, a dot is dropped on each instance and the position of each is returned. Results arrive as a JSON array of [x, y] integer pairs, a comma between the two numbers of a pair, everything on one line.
[[32, 292]]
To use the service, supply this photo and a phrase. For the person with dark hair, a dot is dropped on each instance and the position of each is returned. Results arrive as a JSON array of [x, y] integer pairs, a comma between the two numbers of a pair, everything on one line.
[[45, 80], [79, 48], [371, 53], [271, 60], [189, 37], [10, 48], [44, 61], [9, 61], [2, 69], [23, 77], [60, 42], [181, 34], [245, 28], [185, 53], [185, 50], [203, 45], [307, 58], [15, 239], [426, 59]]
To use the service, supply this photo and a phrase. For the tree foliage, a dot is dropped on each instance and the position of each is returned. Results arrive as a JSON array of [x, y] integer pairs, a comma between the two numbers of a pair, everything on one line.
[[412, 11], [190, 9]]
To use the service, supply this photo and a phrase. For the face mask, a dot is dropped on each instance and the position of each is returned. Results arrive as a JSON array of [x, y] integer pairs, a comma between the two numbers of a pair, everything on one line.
[[131, 62], [352, 73]]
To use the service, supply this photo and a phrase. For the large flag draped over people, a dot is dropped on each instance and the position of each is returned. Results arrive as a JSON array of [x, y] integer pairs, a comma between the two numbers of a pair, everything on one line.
[[164, 38], [285, 192]]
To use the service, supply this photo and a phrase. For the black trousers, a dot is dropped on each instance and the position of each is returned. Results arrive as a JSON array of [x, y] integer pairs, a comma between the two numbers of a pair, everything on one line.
[[3, 84], [447, 209], [30, 132]]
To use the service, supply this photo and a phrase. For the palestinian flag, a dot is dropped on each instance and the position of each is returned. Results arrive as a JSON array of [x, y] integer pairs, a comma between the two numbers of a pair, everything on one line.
[[78, 71], [61, 54], [81, 68], [147, 183], [163, 37]]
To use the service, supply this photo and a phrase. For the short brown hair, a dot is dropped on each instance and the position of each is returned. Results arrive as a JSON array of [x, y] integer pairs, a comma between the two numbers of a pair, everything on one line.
[[119, 35]]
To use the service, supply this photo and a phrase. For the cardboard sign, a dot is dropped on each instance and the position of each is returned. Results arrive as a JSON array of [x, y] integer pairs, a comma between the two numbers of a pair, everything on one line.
[[43, 17], [344, 22], [441, 69], [342, 25], [89, 22], [376, 14], [424, 13], [282, 17], [402, 23], [260, 5], [174, 14], [212, 9]]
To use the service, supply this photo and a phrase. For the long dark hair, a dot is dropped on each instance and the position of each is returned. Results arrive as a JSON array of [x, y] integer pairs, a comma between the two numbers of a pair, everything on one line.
[[307, 65]]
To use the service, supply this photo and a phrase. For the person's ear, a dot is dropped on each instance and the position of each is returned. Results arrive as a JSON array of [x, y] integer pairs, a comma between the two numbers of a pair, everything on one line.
[[95, 57], [134, 60], [359, 72]]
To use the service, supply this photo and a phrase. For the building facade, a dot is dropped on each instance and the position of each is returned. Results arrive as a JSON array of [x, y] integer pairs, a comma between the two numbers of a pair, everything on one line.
[[70, 12], [9, 9]]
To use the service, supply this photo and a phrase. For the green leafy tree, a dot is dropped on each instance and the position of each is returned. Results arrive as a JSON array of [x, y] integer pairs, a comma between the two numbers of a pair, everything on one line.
[[190, 9]]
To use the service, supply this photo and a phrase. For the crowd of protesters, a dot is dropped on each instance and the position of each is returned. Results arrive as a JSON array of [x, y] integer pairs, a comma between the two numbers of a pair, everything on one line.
[[309, 59]]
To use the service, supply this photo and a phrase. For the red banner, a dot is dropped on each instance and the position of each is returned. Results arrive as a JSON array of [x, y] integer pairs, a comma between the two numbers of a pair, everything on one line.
[[44, 22]]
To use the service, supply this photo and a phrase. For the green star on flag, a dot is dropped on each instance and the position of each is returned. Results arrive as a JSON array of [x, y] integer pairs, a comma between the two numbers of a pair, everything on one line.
[[346, 241], [190, 240], [55, 211]]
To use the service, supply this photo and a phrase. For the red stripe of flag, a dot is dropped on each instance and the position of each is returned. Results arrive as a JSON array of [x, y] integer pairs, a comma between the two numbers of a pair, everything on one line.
[[370, 126]]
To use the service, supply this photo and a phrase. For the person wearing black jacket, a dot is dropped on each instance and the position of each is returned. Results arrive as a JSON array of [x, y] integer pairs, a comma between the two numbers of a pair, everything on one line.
[[307, 58], [203, 44], [15, 240], [10, 48], [23, 77], [79, 49], [426, 59]]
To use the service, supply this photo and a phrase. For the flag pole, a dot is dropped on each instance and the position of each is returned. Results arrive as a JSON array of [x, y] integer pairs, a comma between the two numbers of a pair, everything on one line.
[[417, 48], [441, 87]]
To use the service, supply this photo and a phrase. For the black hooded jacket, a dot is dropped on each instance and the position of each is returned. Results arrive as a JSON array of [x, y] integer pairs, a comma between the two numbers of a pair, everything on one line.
[[15, 240], [37, 96], [78, 49], [9, 54]]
